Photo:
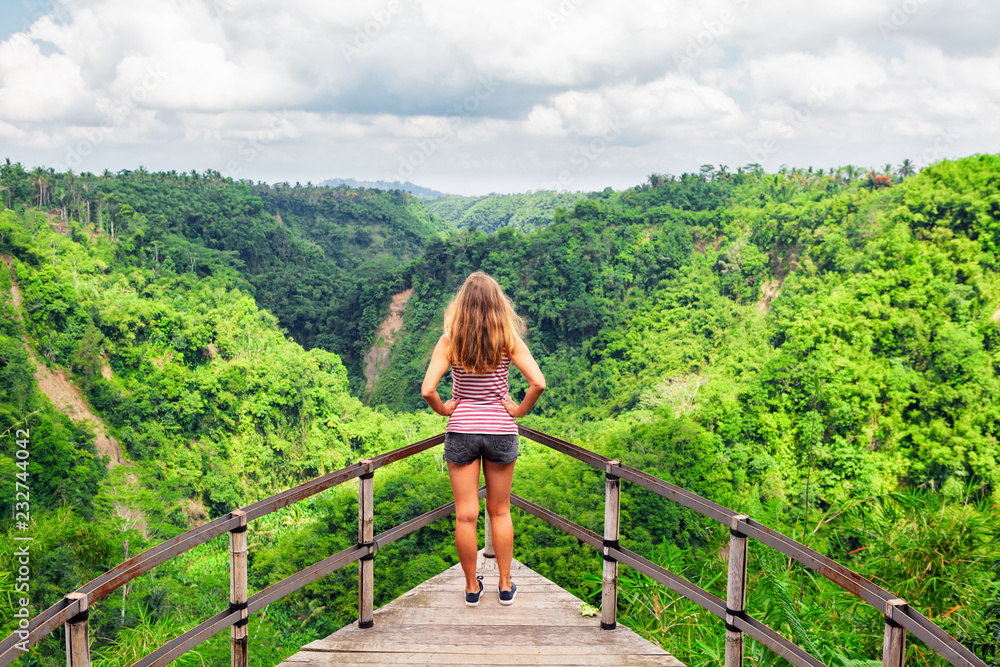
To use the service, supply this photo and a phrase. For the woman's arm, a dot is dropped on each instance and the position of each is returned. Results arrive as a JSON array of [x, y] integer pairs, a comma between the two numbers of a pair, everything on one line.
[[435, 371], [536, 381]]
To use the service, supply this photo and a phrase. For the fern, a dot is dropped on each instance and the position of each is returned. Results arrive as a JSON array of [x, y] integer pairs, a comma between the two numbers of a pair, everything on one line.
[[151, 633], [774, 592]]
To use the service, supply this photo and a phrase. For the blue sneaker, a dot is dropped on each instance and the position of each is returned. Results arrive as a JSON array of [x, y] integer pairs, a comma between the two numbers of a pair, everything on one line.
[[507, 597], [472, 599]]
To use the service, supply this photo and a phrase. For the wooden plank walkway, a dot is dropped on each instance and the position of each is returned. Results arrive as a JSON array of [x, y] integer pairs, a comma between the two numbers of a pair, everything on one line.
[[430, 625]]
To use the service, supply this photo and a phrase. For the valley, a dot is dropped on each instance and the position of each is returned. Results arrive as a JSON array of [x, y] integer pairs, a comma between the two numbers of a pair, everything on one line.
[[819, 349]]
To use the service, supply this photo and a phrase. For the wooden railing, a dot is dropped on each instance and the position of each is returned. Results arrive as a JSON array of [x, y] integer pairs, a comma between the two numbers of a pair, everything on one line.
[[72, 610]]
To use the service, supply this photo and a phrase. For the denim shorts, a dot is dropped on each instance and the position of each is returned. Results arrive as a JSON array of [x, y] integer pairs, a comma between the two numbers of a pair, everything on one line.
[[463, 448]]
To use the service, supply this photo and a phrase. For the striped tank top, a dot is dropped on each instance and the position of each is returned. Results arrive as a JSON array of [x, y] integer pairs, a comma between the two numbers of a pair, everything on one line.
[[480, 410]]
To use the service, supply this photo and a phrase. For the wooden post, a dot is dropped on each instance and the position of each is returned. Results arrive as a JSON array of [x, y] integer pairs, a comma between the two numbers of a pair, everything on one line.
[[366, 536], [894, 642], [736, 591], [488, 530], [238, 632], [612, 513], [78, 633]]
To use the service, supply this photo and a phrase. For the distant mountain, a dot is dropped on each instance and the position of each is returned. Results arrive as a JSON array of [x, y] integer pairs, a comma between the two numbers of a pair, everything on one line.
[[421, 192]]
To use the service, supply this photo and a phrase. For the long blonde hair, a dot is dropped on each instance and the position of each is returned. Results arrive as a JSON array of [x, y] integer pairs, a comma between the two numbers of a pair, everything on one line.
[[481, 325]]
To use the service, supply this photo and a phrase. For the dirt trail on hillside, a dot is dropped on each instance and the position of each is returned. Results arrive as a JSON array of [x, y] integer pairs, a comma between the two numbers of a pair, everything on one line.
[[57, 223], [61, 391], [15, 291], [378, 356], [769, 290], [781, 265]]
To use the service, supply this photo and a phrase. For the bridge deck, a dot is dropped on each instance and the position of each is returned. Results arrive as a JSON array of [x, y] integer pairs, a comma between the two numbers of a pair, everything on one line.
[[430, 625]]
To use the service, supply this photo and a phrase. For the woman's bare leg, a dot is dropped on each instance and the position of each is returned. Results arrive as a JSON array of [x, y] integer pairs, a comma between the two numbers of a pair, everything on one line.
[[465, 486], [498, 480]]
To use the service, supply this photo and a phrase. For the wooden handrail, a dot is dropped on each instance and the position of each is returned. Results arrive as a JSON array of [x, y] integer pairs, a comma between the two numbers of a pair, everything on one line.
[[899, 617]]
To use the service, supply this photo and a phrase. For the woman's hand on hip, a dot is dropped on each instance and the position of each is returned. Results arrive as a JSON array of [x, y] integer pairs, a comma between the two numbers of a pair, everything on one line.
[[513, 409], [450, 405]]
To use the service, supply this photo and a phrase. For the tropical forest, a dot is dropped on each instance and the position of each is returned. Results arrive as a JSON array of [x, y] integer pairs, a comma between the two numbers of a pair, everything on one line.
[[816, 348]]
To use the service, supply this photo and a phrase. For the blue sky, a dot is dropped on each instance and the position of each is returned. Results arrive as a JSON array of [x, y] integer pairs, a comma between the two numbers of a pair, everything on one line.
[[493, 96]]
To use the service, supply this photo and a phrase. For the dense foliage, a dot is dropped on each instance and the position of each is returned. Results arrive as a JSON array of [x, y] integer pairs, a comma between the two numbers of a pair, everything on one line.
[[819, 350], [308, 254], [212, 405], [877, 362], [523, 212], [826, 339]]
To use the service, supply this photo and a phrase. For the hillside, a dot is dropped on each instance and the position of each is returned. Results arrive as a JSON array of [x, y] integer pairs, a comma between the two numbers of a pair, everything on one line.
[[819, 351], [308, 254], [807, 315], [523, 212], [211, 405], [825, 343], [426, 194]]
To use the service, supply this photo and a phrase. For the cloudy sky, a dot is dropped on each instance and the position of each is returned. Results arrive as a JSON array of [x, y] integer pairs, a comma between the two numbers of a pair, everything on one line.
[[489, 96]]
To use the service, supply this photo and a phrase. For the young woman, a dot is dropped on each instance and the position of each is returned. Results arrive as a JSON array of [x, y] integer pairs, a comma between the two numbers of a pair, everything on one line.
[[482, 337]]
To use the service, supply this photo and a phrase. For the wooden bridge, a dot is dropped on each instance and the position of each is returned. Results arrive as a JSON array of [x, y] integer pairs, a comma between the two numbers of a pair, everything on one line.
[[391, 636], [431, 625]]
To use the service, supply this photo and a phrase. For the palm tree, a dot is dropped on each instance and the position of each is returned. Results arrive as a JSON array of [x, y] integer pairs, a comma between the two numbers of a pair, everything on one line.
[[850, 173], [906, 169], [72, 186], [86, 199], [41, 182], [61, 194]]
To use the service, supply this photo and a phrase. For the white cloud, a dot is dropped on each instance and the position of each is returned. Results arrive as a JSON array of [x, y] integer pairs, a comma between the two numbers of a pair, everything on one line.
[[35, 88], [544, 121], [15, 134], [847, 74], [190, 80]]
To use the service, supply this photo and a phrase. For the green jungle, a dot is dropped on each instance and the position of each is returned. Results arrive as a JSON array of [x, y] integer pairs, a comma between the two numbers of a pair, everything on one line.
[[819, 349]]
